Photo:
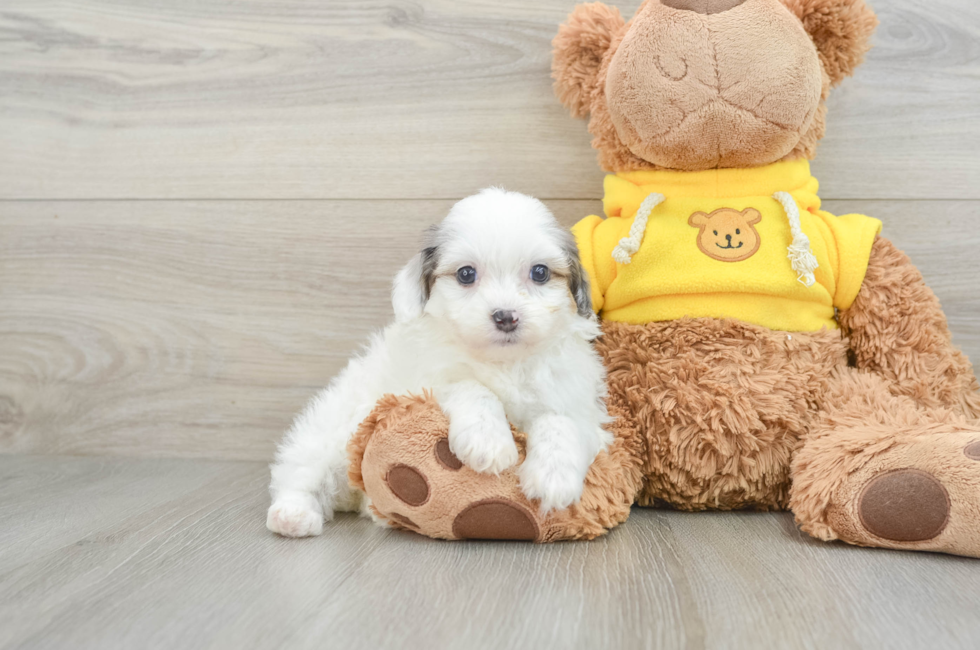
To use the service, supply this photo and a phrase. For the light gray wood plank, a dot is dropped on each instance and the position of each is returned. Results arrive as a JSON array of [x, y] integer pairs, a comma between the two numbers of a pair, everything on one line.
[[429, 99], [197, 329], [103, 494], [179, 558], [906, 125]]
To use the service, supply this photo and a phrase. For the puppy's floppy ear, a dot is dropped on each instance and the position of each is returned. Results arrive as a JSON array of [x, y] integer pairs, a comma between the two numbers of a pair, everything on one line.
[[413, 283], [579, 47], [841, 30], [578, 280]]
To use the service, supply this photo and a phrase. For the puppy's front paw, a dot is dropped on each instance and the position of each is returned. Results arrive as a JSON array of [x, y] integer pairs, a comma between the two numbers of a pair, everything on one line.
[[555, 485], [484, 446], [294, 518]]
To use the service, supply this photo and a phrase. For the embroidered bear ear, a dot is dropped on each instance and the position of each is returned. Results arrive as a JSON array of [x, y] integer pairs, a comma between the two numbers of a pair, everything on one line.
[[579, 48], [698, 219], [752, 216], [841, 30]]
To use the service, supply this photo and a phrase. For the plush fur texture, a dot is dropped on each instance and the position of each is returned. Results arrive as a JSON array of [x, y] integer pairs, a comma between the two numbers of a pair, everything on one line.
[[580, 46], [722, 406], [497, 345], [841, 30], [731, 105], [741, 87], [911, 401], [897, 329], [866, 431]]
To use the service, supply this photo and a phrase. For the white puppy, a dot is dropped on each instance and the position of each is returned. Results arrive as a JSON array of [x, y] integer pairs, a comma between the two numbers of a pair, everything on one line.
[[494, 316]]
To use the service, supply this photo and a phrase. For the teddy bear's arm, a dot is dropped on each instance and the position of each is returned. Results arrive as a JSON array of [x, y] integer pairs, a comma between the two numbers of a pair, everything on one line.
[[898, 330]]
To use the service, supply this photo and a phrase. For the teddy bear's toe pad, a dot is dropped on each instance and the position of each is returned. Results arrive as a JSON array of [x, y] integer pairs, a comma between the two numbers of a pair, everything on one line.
[[972, 450], [403, 520], [408, 484], [495, 519], [445, 455], [904, 505]]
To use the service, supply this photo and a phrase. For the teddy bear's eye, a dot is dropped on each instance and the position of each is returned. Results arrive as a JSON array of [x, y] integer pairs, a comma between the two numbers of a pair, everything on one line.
[[716, 233], [738, 231]]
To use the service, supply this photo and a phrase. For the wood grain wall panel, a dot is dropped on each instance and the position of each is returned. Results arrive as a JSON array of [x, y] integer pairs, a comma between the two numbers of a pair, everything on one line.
[[431, 99]]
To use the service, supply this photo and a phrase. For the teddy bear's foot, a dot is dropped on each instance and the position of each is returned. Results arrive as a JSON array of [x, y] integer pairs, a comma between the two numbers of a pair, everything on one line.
[[400, 457], [916, 490], [923, 495]]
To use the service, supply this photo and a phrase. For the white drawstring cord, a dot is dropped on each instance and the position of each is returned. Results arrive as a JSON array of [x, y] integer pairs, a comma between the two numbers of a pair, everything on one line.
[[801, 257], [629, 245]]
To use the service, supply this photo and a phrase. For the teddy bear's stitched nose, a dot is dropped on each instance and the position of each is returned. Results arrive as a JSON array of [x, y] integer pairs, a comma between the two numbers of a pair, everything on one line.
[[706, 7]]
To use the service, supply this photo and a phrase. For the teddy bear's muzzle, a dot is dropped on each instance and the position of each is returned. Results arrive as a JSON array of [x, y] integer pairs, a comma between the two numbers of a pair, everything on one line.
[[706, 7], [743, 84]]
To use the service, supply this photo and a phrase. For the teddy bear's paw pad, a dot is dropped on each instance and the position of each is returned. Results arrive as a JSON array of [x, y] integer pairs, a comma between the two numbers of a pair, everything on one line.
[[972, 450], [403, 520], [408, 484], [906, 505], [496, 519], [445, 456]]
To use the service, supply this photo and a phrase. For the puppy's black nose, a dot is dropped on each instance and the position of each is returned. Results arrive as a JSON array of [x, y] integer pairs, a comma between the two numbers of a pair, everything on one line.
[[505, 320], [729, 238]]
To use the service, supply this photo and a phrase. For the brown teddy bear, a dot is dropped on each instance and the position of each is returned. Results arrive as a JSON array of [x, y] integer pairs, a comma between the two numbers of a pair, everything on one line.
[[761, 353]]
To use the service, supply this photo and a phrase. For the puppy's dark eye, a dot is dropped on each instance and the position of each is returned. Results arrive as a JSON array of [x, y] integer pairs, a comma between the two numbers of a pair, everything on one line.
[[466, 275], [540, 273], [716, 232], [738, 231]]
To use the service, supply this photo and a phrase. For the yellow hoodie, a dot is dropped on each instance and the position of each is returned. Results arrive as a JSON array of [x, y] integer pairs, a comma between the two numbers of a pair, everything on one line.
[[721, 244]]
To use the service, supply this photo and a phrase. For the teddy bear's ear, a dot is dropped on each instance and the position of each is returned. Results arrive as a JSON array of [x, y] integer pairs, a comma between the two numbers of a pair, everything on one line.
[[841, 30], [579, 47]]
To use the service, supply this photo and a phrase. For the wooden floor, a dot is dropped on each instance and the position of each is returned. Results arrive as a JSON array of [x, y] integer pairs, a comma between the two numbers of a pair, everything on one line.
[[143, 553], [201, 206]]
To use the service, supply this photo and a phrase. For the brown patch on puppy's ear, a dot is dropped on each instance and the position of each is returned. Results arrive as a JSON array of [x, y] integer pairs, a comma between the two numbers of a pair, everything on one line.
[[578, 279], [579, 48], [841, 30], [413, 283], [698, 220], [752, 216]]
